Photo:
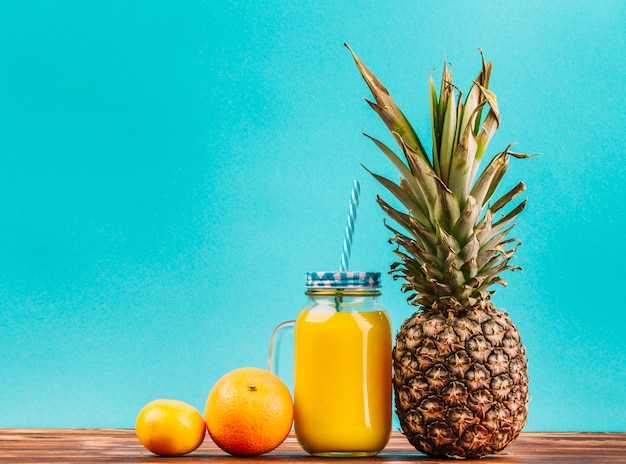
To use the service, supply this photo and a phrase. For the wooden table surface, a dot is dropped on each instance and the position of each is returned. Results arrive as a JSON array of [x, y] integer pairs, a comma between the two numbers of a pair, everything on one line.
[[121, 445]]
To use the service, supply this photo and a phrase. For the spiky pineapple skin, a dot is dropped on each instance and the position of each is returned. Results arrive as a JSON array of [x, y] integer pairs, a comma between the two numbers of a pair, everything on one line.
[[460, 381]]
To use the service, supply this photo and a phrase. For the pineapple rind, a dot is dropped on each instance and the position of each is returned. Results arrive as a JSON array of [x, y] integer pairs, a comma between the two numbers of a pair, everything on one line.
[[461, 382]]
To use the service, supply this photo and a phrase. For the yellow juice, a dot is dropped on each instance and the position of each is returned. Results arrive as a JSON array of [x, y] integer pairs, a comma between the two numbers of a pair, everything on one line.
[[342, 384]]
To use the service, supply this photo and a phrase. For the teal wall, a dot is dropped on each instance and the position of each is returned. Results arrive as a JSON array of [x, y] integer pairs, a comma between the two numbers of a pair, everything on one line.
[[170, 170]]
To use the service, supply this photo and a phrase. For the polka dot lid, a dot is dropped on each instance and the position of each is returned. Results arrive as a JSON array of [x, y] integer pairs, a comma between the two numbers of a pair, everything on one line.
[[342, 279]]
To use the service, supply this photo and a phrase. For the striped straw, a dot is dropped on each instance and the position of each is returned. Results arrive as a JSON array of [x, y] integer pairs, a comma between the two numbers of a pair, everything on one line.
[[347, 239]]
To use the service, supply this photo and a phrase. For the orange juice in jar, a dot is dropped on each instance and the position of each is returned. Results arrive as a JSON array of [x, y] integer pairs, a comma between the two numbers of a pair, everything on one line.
[[342, 372]]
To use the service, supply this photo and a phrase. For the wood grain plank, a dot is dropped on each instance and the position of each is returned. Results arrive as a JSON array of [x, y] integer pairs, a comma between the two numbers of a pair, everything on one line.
[[121, 445]]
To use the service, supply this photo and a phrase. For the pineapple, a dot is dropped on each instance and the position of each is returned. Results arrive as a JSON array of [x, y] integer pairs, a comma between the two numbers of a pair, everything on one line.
[[460, 371]]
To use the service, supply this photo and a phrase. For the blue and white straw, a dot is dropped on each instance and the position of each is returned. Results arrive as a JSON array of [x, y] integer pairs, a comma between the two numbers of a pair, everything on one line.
[[347, 239]]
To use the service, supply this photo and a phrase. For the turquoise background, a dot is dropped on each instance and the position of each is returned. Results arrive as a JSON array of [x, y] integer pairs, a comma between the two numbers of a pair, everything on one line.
[[170, 170]]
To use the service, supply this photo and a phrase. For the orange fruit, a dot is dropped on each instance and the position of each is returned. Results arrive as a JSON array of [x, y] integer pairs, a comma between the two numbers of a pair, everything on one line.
[[170, 427], [249, 411]]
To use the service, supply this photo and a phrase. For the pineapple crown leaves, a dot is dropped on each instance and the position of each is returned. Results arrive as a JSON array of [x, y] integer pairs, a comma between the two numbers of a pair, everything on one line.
[[452, 247]]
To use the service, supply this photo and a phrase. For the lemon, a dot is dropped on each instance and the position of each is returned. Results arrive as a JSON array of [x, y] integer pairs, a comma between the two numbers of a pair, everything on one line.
[[170, 427]]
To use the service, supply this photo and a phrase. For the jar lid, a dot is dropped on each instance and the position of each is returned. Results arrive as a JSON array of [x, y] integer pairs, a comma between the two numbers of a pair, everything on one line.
[[343, 279]]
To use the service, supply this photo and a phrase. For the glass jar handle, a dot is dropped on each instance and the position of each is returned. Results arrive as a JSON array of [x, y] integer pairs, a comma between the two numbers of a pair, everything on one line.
[[275, 341]]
